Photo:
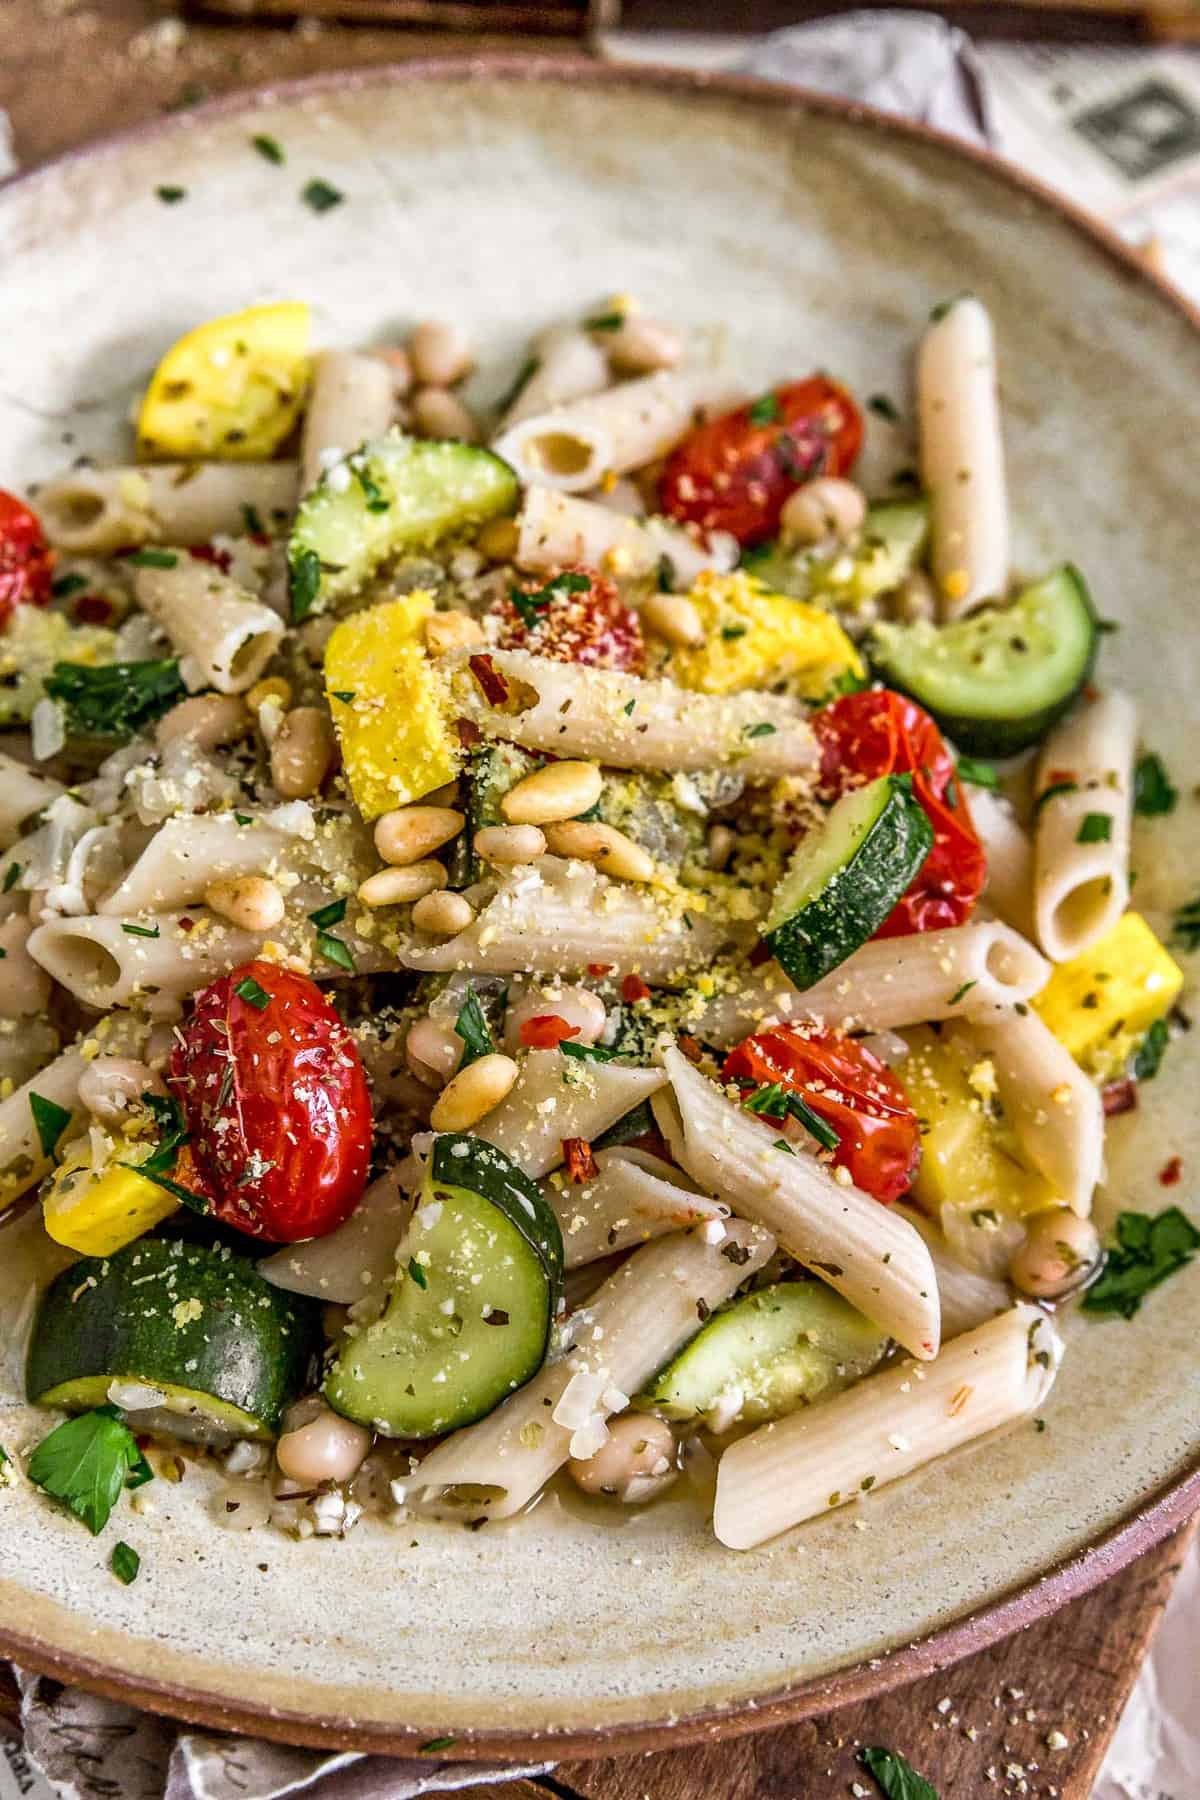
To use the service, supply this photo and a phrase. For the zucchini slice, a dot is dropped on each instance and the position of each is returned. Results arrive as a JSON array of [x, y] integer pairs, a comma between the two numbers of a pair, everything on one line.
[[845, 877], [892, 542], [766, 1354], [385, 500], [226, 1352], [997, 680], [468, 1317]]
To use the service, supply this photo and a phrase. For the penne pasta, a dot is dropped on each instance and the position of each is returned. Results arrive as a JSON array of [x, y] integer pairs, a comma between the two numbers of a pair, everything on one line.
[[23, 792], [352, 401], [872, 1256], [1056, 1112], [555, 530], [628, 1329], [1009, 851], [884, 1428], [634, 1197], [566, 365], [96, 511], [1084, 797], [556, 1097], [224, 636], [967, 1296], [187, 854], [354, 1263], [962, 457], [24, 985]]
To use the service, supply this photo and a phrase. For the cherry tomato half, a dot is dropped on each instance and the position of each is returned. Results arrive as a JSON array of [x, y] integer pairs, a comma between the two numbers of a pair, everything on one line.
[[848, 1086], [880, 733], [735, 473], [576, 617], [276, 1103], [26, 560]]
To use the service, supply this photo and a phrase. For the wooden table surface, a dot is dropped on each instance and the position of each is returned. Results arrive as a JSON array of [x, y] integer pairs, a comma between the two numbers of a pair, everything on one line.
[[71, 69]]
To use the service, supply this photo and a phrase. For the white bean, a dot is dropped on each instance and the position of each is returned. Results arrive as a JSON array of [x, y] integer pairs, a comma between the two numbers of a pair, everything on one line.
[[437, 413], [440, 353], [640, 346], [827, 507], [635, 1464], [111, 1086], [576, 1006], [209, 720], [327, 1448], [303, 753], [473, 1093], [510, 843], [433, 1051], [561, 790], [1059, 1252], [410, 833]]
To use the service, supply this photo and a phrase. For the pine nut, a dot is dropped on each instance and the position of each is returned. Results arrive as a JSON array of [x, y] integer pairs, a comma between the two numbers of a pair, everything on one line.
[[440, 353], [451, 631], [561, 790], [825, 508], [411, 832], [327, 1448], [498, 540], [640, 346], [613, 852], [443, 912], [437, 413], [674, 618], [720, 846], [399, 887], [111, 1086], [303, 753], [249, 901], [473, 1093], [273, 687], [433, 1051], [576, 1006], [510, 843], [208, 720]]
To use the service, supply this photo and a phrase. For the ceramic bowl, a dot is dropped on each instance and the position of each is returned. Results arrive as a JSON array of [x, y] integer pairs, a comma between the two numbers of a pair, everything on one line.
[[811, 235]]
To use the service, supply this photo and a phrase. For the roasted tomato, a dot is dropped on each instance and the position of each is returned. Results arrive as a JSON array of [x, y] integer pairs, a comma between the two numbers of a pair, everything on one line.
[[276, 1104], [26, 560], [576, 617], [735, 473], [848, 1088], [881, 733]]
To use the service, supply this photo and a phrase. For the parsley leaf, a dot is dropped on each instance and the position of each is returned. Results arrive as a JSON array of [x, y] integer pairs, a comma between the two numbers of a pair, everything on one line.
[[321, 196], [269, 148], [531, 603], [472, 1027], [1153, 790], [958, 993], [168, 1116], [252, 520], [883, 408], [769, 1102], [335, 951], [521, 380], [115, 700], [65, 585], [1151, 1051], [149, 558], [170, 195], [417, 1272], [1048, 793], [141, 931], [813, 1123], [125, 1562], [50, 1121], [1185, 929], [764, 411], [331, 914], [897, 1778], [609, 321], [442, 1743], [377, 500], [1147, 1251], [586, 1052], [11, 877], [250, 991], [981, 773], [304, 583], [1096, 828], [84, 1463], [664, 575], [762, 729]]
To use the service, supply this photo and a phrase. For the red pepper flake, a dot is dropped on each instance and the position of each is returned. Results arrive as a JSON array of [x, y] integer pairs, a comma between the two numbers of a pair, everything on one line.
[[581, 1164], [689, 1047], [546, 1031], [492, 684], [761, 953], [93, 609], [1119, 1096], [598, 969], [469, 733], [634, 988], [220, 559], [187, 924], [1170, 1172]]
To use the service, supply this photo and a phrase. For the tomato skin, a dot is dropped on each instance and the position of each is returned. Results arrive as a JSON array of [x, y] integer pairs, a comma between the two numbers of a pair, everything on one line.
[[546, 1031], [734, 474], [875, 733], [26, 560], [848, 1085], [296, 1110], [590, 626]]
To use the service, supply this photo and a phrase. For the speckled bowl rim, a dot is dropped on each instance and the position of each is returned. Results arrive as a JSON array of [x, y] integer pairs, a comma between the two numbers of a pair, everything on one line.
[[1148, 1524]]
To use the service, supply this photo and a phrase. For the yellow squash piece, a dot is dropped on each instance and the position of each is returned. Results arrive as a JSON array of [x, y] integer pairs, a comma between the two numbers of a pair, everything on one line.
[[389, 707], [231, 389], [969, 1157], [1099, 1004], [99, 1210], [753, 635]]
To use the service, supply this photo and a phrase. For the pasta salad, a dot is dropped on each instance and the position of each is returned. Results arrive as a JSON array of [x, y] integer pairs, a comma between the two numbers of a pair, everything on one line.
[[597, 957]]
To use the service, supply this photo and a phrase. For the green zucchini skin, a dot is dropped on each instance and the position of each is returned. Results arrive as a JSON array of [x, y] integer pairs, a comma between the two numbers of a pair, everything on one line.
[[1000, 679], [767, 1353], [845, 878], [197, 1321], [468, 1319], [892, 543]]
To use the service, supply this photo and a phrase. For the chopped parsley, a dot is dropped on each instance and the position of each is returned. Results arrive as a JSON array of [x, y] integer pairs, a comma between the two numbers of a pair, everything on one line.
[[170, 196], [958, 993], [774, 1102], [731, 632], [50, 1121], [336, 951], [147, 931], [1148, 1249], [125, 1562], [762, 729], [442, 1743], [664, 575], [116, 700], [269, 148], [883, 408], [417, 1272], [377, 500], [84, 1463], [331, 914], [249, 990], [472, 1027], [782, 1144], [523, 377], [765, 410], [11, 877], [1151, 1051], [1185, 927], [628, 707], [1095, 828], [321, 196], [609, 321], [168, 1115], [1049, 793], [304, 583], [896, 1777], [585, 1052], [530, 604], [66, 585], [149, 558], [252, 520], [1153, 790], [981, 773], [345, 695]]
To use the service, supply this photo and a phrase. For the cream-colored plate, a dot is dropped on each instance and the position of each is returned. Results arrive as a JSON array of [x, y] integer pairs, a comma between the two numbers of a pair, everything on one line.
[[807, 237]]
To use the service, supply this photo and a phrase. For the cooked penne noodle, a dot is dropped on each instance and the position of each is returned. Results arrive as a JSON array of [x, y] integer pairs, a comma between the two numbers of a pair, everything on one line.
[[26, 1154], [1056, 1112], [354, 1263], [23, 792], [962, 457], [864, 1250], [629, 1328], [224, 636], [968, 1298], [96, 511], [572, 447], [186, 855], [556, 1097], [884, 1428], [1009, 852], [636, 724], [352, 401], [634, 1197], [1084, 797], [557, 529], [24, 984], [566, 365]]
